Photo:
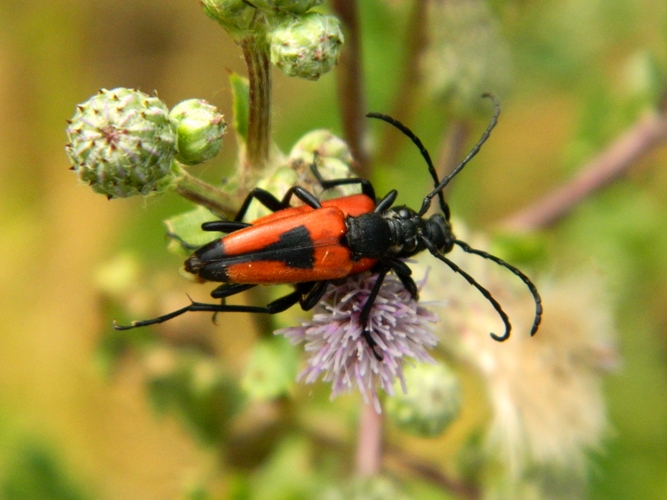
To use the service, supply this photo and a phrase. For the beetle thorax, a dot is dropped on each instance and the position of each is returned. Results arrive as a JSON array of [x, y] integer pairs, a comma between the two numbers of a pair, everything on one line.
[[398, 232], [409, 232]]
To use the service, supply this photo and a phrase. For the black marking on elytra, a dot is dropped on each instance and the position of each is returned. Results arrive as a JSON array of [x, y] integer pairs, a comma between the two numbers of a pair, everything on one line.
[[295, 248]]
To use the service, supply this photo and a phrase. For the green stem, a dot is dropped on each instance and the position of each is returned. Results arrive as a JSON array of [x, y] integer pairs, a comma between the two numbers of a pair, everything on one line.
[[202, 193], [258, 144]]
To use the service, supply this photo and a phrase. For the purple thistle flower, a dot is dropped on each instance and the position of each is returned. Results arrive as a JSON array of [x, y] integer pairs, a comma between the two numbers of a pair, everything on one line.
[[337, 350]]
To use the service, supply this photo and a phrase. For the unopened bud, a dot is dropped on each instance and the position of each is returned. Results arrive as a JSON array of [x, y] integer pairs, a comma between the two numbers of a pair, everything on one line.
[[200, 129], [306, 46], [122, 143], [235, 16]]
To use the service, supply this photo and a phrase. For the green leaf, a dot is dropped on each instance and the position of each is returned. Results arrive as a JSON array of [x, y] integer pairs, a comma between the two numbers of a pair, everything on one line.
[[241, 96], [185, 232]]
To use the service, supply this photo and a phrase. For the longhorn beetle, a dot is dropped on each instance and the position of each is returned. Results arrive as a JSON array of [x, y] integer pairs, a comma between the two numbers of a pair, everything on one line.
[[319, 241]]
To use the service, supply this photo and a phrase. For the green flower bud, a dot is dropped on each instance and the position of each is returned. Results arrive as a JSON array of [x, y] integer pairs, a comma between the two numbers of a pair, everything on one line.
[[235, 16], [200, 130], [334, 161], [306, 46], [122, 143], [325, 144], [293, 6], [433, 400]]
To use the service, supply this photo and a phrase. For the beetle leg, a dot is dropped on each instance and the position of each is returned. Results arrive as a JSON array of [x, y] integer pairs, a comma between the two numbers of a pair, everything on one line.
[[278, 305], [306, 197], [264, 197], [366, 186], [312, 293], [404, 273], [223, 226], [229, 289], [366, 311], [386, 202]]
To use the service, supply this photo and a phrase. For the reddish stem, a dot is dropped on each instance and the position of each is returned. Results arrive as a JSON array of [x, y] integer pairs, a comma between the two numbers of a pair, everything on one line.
[[350, 86], [403, 107], [649, 132], [369, 442]]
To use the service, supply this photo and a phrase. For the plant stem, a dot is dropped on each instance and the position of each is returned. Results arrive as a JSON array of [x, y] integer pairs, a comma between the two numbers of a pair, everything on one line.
[[258, 145], [403, 107], [369, 442], [350, 86], [646, 134], [202, 193]]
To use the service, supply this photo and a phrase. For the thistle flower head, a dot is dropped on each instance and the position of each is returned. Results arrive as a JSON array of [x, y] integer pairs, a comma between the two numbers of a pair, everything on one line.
[[307, 46], [337, 350], [122, 143]]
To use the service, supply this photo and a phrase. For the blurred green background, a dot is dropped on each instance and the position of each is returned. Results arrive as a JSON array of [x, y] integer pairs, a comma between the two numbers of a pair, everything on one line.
[[583, 71]]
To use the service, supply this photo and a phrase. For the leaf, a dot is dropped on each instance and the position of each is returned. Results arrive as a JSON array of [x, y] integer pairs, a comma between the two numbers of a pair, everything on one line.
[[241, 96], [185, 232]]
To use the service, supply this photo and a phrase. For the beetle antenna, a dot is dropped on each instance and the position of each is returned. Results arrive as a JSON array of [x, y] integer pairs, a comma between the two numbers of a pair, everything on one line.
[[482, 290], [422, 149], [533, 289], [438, 189]]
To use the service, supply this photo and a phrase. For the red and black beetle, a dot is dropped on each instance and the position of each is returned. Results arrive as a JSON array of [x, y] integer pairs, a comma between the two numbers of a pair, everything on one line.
[[320, 241]]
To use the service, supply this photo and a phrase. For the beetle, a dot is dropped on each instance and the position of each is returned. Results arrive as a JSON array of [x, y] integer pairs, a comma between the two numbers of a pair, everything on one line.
[[320, 241]]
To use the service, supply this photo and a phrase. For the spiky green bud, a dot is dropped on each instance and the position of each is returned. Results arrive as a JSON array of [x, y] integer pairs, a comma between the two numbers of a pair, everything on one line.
[[200, 129], [307, 46], [432, 402], [236, 16], [291, 6], [122, 143]]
